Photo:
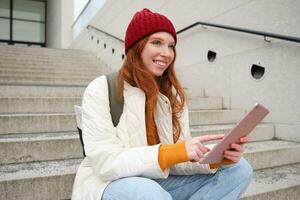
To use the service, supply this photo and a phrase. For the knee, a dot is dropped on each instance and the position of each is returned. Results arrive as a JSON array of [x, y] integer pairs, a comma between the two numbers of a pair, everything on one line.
[[149, 189], [244, 170], [241, 171], [135, 188]]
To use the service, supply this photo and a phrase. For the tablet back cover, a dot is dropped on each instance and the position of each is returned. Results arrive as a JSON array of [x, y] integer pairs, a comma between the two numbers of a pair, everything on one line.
[[241, 129]]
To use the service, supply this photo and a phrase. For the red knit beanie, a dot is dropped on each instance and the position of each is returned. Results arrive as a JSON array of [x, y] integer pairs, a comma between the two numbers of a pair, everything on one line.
[[143, 24]]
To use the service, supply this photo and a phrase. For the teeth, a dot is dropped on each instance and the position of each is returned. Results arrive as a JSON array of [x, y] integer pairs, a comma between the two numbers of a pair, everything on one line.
[[160, 63]]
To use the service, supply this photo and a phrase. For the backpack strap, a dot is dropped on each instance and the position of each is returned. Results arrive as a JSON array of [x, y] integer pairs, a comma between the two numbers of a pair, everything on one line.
[[116, 106]]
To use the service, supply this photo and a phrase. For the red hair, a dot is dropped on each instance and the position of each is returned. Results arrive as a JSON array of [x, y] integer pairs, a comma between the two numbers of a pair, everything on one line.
[[134, 73]]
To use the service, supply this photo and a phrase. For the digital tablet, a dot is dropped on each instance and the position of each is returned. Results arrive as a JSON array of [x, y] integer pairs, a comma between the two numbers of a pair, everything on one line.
[[241, 129]]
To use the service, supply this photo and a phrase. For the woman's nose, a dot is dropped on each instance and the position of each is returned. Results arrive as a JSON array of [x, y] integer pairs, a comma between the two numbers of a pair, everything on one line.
[[166, 51]]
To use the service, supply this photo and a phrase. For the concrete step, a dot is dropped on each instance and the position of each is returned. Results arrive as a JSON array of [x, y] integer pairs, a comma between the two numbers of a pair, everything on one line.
[[194, 92], [261, 132], [204, 103], [15, 180], [18, 123], [38, 180], [81, 71], [30, 91], [68, 57], [18, 50], [205, 117], [43, 146], [53, 74], [266, 154], [275, 183], [20, 148], [53, 68], [38, 104], [37, 123], [51, 63], [23, 57], [16, 104], [31, 59], [45, 81], [21, 51], [45, 53]]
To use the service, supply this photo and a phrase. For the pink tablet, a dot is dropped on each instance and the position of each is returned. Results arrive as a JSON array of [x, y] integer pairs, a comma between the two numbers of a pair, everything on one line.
[[241, 129]]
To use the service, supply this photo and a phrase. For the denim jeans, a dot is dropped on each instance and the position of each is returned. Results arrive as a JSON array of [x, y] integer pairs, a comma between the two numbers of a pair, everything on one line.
[[228, 183]]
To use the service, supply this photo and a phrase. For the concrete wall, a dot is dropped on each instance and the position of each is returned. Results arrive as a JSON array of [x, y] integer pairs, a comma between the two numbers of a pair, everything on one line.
[[229, 76], [59, 23], [109, 50]]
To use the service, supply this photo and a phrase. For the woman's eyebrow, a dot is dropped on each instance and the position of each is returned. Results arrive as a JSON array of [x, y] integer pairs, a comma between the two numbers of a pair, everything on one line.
[[158, 38]]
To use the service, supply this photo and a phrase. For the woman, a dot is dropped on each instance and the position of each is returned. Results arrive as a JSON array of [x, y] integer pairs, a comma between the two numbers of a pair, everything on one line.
[[150, 154]]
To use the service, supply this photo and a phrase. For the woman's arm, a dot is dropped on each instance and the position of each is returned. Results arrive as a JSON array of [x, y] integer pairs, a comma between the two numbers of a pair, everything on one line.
[[109, 157], [187, 168]]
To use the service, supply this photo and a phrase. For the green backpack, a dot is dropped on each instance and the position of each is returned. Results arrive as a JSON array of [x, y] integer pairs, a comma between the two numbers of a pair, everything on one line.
[[116, 107]]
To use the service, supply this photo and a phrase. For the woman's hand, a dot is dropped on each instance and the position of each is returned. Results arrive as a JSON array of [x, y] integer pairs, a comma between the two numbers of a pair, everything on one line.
[[236, 150], [195, 148]]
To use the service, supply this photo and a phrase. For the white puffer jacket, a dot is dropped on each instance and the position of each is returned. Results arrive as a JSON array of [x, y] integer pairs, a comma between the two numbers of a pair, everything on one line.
[[122, 151]]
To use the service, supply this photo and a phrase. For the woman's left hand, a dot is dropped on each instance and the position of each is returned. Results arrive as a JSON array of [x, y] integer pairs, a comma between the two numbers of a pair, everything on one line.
[[236, 150]]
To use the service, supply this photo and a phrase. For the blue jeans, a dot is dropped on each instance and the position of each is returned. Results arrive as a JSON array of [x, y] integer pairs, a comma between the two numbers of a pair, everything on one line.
[[228, 183]]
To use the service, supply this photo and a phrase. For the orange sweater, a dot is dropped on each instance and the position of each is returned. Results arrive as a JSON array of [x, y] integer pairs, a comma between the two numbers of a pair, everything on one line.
[[171, 154]]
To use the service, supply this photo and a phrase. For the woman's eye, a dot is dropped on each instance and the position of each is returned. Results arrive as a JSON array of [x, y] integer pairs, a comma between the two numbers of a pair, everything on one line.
[[172, 46], [156, 42]]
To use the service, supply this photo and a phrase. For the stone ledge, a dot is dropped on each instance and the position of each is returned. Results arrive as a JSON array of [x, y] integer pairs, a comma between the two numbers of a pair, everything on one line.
[[275, 183]]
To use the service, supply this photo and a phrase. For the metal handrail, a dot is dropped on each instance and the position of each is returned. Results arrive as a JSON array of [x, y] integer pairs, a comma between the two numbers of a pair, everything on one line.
[[262, 33], [265, 34], [90, 26]]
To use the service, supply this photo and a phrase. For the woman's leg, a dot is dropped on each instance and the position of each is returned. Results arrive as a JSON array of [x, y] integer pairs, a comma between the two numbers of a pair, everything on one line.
[[135, 188], [182, 187], [228, 183], [232, 181]]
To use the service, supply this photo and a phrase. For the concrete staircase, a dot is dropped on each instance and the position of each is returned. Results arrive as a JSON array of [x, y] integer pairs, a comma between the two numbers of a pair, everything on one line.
[[40, 149]]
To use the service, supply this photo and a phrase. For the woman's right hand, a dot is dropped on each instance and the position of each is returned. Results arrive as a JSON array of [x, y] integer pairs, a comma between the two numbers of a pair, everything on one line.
[[195, 148]]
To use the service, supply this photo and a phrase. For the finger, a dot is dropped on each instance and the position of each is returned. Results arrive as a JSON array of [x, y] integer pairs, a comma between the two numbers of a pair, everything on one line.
[[203, 148], [194, 154], [200, 160], [199, 154], [206, 138], [232, 158], [196, 158], [233, 153], [237, 147], [244, 139]]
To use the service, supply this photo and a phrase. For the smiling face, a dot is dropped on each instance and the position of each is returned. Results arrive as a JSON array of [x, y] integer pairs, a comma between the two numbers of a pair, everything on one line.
[[158, 53]]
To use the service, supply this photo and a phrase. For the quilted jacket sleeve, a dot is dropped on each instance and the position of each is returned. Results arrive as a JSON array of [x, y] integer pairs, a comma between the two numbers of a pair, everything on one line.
[[109, 157]]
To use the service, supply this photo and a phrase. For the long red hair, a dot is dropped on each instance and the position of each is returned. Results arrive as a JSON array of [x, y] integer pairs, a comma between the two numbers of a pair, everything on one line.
[[134, 73]]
